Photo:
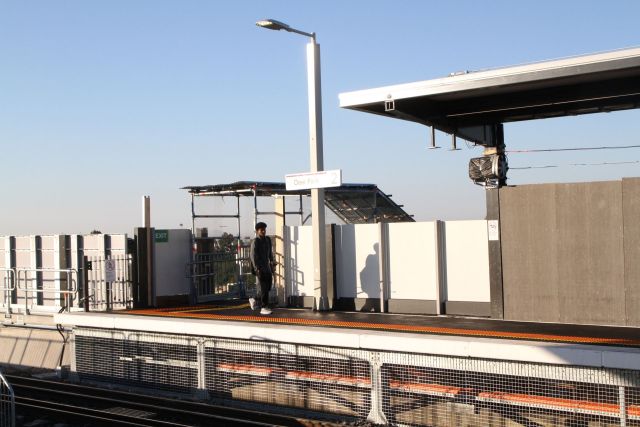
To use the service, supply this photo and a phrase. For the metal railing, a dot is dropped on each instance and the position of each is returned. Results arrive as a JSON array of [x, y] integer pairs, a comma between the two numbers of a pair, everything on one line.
[[8, 287], [220, 275], [116, 295], [34, 294], [7, 404], [381, 387]]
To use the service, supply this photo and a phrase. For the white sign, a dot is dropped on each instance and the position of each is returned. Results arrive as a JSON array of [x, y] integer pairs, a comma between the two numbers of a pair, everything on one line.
[[109, 270], [493, 230], [308, 180]]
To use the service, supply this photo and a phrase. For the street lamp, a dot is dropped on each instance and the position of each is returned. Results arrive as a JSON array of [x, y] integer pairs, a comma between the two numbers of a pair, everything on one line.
[[316, 161]]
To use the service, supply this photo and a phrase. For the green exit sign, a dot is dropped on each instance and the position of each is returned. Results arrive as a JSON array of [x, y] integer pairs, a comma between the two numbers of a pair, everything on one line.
[[161, 236]]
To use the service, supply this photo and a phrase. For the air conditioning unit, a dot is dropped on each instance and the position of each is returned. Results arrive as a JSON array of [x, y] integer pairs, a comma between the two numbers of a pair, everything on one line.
[[488, 171]]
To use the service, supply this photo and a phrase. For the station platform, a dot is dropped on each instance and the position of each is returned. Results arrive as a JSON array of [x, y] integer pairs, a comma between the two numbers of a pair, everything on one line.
[[563, 344], [239, 311], [383, 368]]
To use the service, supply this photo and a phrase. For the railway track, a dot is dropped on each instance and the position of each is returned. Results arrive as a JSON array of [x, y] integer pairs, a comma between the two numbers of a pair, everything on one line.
[[84, 405]]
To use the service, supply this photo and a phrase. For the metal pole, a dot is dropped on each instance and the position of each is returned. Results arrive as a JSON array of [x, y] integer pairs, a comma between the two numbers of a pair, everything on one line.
[[193, 215], [238, 251], [255, 206], [301, 213], [85, 282], [316, 158], [149, 261]]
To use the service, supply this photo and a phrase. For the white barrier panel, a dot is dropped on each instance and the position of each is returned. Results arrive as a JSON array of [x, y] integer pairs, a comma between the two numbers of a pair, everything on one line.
[[413, 261], [299, 265], [357, 261], [415, 272], [467, 261]]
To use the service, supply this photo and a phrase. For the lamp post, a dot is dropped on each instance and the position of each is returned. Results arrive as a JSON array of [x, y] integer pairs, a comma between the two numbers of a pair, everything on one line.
[[316, 161]]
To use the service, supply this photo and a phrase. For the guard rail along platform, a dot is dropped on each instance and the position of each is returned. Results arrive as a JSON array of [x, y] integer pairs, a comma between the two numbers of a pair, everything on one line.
[[382, 375]]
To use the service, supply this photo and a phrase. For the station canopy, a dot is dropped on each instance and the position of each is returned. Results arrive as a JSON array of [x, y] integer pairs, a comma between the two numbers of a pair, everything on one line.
[[352, 203], [471, 104]]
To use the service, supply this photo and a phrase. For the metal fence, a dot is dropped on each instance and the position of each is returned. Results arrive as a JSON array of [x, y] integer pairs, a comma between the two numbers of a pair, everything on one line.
[[381, 387], [8, 288], [47, 286], [39, 288], [51, 289], [221, 275], [7, 404], [116, 295]]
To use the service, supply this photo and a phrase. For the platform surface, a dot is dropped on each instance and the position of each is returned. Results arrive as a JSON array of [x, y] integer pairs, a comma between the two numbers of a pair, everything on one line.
[[239, 311]]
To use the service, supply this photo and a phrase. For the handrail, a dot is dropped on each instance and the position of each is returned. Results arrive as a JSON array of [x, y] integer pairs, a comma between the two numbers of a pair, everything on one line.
[[70, 283], [10, 414], [12, 272], [8, 289]]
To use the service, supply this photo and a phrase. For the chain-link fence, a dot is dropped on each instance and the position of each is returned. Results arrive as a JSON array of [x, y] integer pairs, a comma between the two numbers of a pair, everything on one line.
[[381, 387]]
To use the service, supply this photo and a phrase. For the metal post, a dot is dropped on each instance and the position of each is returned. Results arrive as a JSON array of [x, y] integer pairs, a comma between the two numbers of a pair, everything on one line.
[[382, 262], [240, 280], [317, 194], [255, 206], [376, 414], [85, 282], [441, 271], [622, 404], [149, 261], [193, 216], [321, 300], [301, 213], [7, 403]]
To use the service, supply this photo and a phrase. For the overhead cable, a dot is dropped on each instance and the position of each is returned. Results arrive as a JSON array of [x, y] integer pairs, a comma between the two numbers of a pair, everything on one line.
[[575, 164], [542, 150]]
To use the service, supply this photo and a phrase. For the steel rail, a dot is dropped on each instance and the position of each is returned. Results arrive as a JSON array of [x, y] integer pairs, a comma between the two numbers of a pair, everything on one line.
[[165, 407]]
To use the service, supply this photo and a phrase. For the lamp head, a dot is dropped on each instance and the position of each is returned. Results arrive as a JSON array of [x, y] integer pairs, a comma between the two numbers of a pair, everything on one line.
[[272, 24]]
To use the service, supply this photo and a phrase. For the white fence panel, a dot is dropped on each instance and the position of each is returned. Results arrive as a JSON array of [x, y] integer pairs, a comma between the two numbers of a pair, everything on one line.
[[414, 268], [413, 261], [357, 261], [299, 265], [467, 261]]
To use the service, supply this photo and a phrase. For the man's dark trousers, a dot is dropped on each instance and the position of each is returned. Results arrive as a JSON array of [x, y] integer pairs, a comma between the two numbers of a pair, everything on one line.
[[265, 280]]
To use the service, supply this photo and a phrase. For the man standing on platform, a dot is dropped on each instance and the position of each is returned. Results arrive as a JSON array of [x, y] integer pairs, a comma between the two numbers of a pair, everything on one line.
[[262, 266]]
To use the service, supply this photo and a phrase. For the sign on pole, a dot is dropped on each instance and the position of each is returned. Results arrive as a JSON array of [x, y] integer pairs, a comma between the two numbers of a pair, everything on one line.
[[109, 270], [308, 180]]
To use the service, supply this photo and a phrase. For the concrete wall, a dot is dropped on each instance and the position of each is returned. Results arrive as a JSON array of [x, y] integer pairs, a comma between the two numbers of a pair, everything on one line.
[[569, 252], [631, 232]]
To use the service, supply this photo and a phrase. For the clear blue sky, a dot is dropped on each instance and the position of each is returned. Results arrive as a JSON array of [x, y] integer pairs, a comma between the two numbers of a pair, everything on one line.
[[102, 102]]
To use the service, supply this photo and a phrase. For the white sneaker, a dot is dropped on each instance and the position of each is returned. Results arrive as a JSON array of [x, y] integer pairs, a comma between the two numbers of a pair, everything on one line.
[[252, 303], [265, 311]]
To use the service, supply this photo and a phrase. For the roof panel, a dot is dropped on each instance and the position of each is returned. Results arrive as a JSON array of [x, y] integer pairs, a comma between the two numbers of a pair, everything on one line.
[[352, 203], [585, 84]]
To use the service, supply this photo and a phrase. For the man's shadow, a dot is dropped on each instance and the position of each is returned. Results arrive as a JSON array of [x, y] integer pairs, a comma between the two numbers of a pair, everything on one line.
[[370, 282]]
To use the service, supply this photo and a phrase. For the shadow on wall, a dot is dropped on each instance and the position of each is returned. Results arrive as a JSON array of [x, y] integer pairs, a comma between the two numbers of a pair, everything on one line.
[[369, 282]]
